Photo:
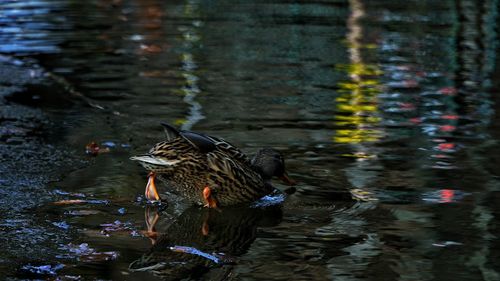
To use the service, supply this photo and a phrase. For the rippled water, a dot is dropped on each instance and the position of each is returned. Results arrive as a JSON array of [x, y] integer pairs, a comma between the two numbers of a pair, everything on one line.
[[385, 112]]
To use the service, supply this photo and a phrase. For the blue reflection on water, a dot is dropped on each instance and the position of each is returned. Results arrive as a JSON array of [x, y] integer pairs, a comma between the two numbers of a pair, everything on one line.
[[27, 27]]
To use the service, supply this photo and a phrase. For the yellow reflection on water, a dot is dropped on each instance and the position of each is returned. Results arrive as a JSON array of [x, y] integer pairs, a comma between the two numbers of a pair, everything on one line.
[[357, 109], [359, 68], [357, 105]]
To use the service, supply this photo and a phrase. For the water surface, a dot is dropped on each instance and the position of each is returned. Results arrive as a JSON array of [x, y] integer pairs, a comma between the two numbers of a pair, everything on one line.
[[385, 112]]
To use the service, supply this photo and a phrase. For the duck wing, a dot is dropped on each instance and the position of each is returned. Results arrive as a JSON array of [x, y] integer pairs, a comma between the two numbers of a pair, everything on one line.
[[202, 142], [233, 181], [231, 151], [205, 143]]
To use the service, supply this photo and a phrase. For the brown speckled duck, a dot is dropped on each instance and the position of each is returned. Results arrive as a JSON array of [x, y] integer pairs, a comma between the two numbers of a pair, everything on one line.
[[210, 171]]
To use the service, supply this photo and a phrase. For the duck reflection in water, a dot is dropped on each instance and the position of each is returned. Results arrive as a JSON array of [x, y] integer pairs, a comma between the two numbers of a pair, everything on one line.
[[202, 239]]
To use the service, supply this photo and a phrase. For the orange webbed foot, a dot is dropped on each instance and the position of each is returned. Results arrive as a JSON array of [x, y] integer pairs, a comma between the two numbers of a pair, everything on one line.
[[151, 193], [210, 201]]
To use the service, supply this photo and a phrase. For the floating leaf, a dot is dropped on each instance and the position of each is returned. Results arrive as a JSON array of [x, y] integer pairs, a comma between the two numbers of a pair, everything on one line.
[[61, 224], [47, 269], [80, 201], [94, 149], [83, 212], [70, 202], [446, 244], [86, 254], [363, 195]]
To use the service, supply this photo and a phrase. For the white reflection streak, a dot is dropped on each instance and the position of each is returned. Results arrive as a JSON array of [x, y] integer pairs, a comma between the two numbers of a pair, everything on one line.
[[189, 66], [359, 255], [355, 34], [191, 90]]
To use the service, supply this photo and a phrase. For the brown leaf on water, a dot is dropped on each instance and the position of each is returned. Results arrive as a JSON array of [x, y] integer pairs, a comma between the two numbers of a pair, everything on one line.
[[70, 202], [83, 212], [81, 201], [151, 49], [94, 149]]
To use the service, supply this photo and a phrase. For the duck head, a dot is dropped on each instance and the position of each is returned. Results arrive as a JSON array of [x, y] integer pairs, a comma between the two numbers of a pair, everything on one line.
[[270, 163]]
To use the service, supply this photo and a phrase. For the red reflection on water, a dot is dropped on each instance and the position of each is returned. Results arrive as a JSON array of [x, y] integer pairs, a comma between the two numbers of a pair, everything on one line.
[[448, 91], [446, 146], [447, 128], [446, 195], [416, 120], [407, 105], [450, 117]]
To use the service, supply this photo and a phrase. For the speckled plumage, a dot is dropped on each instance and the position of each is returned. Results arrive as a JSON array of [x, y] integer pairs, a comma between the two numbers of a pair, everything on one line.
[[190, 161]]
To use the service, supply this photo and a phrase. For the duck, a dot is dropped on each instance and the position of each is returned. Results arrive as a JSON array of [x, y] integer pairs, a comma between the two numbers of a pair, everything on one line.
[[210, 171]]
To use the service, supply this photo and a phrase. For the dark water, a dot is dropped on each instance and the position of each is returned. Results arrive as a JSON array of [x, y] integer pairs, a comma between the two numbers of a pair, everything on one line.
[[385, 111]]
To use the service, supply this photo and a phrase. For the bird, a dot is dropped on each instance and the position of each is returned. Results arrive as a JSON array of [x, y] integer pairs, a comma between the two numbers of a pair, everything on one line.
[[210, 171]]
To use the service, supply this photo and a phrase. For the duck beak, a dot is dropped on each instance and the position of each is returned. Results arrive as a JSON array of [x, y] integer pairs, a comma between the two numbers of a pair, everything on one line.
[[286, 179]]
